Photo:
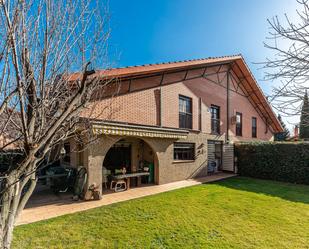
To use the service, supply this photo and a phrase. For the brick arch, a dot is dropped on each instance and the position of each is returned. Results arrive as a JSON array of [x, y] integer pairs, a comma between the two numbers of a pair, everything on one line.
[[97, 152], [155, 149], [110, 141]]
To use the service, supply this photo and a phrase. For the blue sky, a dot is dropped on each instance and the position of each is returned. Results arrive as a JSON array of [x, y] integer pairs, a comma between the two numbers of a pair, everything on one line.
[[151, 31]]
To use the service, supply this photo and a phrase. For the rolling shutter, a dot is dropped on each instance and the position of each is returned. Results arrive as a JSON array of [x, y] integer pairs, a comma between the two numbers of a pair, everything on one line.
[[228, 157]]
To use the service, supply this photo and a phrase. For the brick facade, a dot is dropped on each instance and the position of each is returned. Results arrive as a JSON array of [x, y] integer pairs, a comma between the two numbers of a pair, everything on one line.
[[154, 101], [143, 106]]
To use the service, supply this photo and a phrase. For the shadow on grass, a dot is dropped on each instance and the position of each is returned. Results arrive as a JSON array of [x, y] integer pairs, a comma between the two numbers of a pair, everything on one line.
[[287, 191]]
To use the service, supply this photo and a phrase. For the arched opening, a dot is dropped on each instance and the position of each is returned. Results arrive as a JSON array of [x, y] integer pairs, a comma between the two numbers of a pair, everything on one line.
[[130, 157]]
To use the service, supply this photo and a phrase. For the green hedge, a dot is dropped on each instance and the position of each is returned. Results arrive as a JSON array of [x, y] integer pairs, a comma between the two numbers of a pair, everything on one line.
[[287, 162]]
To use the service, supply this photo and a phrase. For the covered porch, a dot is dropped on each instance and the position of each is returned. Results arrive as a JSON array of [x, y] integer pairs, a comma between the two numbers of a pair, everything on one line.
[[127, 156], [124, 154], [130, 162]]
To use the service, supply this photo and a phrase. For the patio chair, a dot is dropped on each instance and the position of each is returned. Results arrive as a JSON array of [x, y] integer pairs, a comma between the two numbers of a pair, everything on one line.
[[114, 181], [118, 171], [121, 185], [105, 174]]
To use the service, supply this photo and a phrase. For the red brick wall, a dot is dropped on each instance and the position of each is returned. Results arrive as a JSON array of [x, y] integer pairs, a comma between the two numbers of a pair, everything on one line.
[[138, 108], [170, 102], [142, 107], [241, 104]]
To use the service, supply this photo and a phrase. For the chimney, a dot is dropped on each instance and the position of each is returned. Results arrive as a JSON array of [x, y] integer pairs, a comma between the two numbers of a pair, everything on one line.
[[296, 131]]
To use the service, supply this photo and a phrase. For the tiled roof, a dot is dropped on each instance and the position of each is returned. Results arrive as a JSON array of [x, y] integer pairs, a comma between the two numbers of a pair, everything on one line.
[[157, 67]]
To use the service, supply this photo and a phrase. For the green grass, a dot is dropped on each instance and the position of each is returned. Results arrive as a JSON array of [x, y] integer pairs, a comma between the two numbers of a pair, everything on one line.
[[235, 213]]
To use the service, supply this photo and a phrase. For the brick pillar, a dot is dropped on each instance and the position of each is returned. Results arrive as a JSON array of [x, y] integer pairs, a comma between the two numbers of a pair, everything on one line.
[[95, 157]]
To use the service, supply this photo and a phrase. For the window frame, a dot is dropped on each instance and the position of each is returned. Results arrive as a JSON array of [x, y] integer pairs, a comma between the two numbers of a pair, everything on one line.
[[254, 128], [185, 118], [215, 120], [184, 157], [238, 125]]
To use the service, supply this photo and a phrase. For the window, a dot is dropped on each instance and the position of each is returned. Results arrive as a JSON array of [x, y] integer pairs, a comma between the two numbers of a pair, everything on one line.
[[238, 124], [215, 119], [184, 151], [185, 112], [254, 125]]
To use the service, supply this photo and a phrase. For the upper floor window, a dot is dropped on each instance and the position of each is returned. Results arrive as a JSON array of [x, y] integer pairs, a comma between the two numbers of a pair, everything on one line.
[[254, 127], [238, 124], [215, 119], [184, 151], [185, 112]]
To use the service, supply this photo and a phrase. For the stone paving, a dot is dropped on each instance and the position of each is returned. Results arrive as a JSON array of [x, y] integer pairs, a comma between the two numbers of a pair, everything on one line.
[[66, 206]]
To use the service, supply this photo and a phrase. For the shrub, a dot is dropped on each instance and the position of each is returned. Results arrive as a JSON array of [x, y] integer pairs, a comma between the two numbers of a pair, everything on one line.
[[287, 162], [9, 159]]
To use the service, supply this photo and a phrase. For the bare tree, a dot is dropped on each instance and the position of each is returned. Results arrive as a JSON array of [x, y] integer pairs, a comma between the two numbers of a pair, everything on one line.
[[289, 40], [42, 42]]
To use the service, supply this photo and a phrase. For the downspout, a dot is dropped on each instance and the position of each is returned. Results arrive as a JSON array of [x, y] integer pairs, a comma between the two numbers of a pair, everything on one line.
[[161, 98], [161, 106], [227, 138], [200, 114]]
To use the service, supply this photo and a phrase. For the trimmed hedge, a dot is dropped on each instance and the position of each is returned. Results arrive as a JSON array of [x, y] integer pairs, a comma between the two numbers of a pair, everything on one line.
[[288, 162]]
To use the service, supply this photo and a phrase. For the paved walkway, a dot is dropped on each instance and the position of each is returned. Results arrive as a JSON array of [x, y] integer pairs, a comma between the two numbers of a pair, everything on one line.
[[37, 213]]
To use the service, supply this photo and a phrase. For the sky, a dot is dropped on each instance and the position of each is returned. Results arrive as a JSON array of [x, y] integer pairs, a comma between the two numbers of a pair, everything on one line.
[[154, 31]]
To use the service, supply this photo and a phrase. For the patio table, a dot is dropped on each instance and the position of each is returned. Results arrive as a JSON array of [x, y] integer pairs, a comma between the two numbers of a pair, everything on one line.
[[128, 177]]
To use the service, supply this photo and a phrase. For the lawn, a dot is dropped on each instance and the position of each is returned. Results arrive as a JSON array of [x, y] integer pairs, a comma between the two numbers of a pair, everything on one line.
[[234, 213]]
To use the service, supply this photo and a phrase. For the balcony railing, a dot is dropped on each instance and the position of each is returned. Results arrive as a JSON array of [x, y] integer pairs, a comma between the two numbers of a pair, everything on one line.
[[185, 120]]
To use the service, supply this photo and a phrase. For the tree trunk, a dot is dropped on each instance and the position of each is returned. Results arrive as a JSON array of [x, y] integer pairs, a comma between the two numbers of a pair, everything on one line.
[[8, 236], [11, 204]]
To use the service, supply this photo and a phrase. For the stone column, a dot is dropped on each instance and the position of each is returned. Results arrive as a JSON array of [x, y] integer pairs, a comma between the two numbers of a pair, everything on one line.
[[95, 157], [95, 161]]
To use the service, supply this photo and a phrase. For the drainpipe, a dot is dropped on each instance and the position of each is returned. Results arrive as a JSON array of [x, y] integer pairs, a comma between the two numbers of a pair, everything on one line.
[[160, 106], [227, 138], [161, 98], [200, 114]]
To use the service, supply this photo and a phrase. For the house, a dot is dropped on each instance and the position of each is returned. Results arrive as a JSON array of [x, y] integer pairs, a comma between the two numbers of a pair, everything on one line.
[[175, 118]]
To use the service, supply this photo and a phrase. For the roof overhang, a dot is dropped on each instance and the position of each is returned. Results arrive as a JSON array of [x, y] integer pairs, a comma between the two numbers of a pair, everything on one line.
[[119, 129], [237, 63], [146, 70], [255, 94]]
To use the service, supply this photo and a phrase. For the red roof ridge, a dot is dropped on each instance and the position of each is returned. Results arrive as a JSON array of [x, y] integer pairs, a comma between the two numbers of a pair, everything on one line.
[[154, 67], [233, 56]]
